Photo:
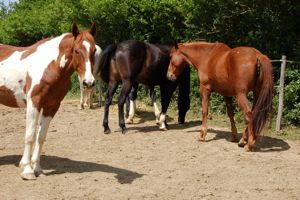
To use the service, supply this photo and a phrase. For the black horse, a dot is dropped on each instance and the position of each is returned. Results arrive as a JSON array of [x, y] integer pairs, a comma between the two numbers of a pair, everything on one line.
[[131, 62]]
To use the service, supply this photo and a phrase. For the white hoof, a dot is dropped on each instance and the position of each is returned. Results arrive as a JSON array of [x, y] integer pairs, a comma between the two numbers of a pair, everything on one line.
[[28, 176], [129, 121], [163, 127]]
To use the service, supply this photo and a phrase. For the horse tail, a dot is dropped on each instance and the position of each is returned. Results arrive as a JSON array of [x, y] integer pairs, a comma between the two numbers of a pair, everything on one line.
[[263, 105], [105, 60]]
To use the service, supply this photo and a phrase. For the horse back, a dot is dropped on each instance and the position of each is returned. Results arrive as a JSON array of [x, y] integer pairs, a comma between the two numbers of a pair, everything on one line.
[[229, 71], [128, 60], [155, 66], [242, 66], [24, 69]]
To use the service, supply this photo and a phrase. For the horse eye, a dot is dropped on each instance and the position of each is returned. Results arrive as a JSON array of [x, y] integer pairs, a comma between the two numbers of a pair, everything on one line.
[[77, 51]]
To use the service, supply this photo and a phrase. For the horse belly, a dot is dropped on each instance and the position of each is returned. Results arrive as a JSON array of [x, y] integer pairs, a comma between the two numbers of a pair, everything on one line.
[[12, 84], [223, 86], [10, 99], [224, 90]]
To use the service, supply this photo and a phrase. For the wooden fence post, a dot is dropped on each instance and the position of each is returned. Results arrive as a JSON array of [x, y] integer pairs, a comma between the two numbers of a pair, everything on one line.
[[281, 93]]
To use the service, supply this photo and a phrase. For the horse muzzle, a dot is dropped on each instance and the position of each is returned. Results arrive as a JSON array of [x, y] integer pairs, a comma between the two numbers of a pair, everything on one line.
[[171, 77], [88, 85]]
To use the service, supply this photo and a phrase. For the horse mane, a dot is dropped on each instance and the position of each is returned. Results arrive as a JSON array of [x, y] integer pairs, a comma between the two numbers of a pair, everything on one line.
[[166, 48], [105, 58]]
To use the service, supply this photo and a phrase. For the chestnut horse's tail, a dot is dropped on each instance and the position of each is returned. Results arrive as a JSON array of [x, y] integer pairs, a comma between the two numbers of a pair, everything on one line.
[[263, 104], [105, 59]]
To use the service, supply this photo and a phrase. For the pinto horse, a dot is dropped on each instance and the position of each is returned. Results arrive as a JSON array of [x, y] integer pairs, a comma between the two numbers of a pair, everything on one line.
[[231, 73], [38, 77], [130, 62]]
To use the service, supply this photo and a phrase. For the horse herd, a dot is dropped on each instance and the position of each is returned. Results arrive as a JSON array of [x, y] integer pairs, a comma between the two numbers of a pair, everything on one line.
[[39, 76]]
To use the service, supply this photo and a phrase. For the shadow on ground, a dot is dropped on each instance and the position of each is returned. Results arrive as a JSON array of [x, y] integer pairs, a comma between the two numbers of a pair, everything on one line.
[[61, 165], [263, 144], [140, 127]]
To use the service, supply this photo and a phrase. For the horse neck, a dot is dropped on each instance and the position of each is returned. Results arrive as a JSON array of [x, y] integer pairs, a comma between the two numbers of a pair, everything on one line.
[[197, 52], [65, 52]]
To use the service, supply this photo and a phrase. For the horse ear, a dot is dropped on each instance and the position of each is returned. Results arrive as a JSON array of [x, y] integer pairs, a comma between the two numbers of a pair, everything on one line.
[[175, 44], [93, 29], [75, 30]]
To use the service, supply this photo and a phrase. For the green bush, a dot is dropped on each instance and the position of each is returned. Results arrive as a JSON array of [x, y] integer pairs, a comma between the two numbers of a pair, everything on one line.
[[291, 111]]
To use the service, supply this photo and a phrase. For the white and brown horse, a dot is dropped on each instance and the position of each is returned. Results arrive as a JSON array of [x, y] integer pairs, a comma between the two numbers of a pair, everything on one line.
[[38, 77], [86, 93]]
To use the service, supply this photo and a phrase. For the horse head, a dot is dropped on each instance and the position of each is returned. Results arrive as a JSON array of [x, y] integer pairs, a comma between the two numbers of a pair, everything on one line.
[[83, 54], [178, 63]]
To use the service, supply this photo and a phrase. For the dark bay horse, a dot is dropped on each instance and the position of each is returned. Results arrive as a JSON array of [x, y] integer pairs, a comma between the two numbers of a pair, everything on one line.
[[131, 62], [231, 73], [38, 77]]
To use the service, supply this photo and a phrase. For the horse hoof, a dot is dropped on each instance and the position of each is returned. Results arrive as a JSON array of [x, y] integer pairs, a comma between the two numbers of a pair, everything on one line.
[[28, 176], [242, 142], [247, 148], [39, 173], [163, 129], [201, 139], [124, 130], [129, 121], [107, 131], [181, 120], [201, 136]]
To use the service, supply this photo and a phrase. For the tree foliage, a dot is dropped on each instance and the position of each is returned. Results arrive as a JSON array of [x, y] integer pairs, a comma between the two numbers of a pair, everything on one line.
[[271, 26]]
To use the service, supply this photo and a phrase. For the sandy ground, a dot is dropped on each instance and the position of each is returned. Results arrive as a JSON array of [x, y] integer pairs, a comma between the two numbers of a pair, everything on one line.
[[82, 163]]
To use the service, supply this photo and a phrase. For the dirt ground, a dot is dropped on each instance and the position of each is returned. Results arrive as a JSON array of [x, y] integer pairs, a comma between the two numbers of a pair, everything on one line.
[[82, 163]]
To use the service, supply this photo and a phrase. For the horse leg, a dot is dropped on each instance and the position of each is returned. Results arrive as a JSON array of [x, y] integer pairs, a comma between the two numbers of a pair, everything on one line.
[[81, 98], [112, 86], [126, 87], [131, 103], [90, 98], [86, 97], [183, 101], [155, 107], [40, 139], [243, 103], [166, 91], [127, 107], [99, 87], [32, 115], [205, 93], [244, 138], [81, 106], [230, 114]]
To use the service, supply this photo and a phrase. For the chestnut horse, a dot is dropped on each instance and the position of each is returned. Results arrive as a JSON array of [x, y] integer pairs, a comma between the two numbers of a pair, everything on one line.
[[38, 77], [131, 62], [231, 73]]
